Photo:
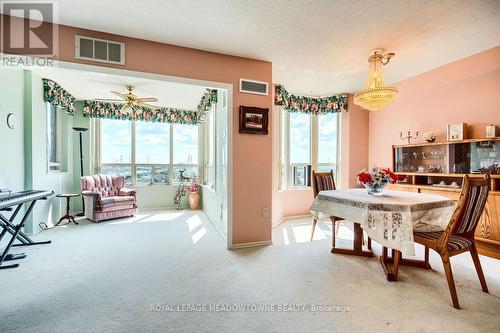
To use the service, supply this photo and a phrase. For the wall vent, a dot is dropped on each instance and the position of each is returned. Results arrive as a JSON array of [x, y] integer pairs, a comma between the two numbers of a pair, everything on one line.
[[94, 49], [253, 87]]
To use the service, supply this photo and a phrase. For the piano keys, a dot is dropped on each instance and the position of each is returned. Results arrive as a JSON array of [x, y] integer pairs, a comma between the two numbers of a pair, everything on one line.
[[7, 203]]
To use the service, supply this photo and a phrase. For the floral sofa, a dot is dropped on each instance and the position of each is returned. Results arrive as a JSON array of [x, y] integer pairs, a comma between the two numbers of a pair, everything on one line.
[[106, 197]]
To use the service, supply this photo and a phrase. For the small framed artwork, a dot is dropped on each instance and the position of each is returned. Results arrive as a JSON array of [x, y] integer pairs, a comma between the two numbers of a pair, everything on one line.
[[254, 120], [456, 132]]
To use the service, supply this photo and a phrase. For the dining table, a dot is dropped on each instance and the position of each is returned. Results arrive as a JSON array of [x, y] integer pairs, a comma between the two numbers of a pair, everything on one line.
[[389, 218]]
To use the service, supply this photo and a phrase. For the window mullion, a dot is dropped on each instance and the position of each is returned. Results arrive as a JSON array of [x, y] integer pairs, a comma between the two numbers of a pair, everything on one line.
[[314, 142], [132, 154], [171, 155]]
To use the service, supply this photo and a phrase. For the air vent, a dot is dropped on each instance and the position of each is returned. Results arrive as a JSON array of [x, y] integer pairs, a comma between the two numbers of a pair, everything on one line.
[[253, 87], [95, 49]]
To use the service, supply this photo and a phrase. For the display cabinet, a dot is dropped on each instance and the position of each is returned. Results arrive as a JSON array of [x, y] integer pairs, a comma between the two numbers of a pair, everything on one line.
[[440, 167]]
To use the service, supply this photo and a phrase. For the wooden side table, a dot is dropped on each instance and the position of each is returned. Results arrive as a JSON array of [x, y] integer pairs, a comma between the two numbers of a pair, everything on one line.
[[68, 216]]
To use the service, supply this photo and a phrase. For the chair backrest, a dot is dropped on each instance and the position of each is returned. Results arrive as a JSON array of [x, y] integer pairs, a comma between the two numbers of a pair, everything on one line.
[[322, 181], [106, 185], [469, 208]]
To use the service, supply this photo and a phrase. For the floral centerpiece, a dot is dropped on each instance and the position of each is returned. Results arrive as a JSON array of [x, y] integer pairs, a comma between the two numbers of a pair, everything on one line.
[[375, 179]]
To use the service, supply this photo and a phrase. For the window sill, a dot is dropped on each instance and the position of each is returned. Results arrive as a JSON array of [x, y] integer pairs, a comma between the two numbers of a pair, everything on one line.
[[296, 188]]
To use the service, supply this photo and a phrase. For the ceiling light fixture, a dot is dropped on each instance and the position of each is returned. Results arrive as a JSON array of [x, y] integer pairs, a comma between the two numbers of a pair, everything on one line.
[[376, 94]]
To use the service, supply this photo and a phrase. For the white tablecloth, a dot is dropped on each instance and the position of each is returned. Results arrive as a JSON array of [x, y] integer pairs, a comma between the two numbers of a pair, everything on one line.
[[389, 219]]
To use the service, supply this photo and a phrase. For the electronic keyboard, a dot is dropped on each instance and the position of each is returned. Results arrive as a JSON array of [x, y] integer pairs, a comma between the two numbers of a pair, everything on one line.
[[7, 202]]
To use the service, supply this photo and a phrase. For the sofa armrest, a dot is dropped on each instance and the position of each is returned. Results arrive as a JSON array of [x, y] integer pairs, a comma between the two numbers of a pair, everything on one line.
[[95, 195], [126, 192]]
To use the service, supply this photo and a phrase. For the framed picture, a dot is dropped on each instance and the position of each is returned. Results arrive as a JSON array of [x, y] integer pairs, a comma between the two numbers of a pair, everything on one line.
[[253, 120], [456, 132]]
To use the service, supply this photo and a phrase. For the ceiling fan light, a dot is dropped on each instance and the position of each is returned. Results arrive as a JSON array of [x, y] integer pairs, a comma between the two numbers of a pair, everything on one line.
[[375, 95]]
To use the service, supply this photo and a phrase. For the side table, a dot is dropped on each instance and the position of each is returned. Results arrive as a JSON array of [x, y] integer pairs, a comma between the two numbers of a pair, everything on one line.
[[68, 216]]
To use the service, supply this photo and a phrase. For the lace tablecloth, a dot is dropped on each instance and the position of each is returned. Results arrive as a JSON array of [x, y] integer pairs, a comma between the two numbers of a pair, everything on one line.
[[389, 219]]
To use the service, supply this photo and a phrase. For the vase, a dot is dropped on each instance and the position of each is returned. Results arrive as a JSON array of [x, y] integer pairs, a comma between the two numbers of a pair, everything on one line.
[[194, 200], [373, 189]]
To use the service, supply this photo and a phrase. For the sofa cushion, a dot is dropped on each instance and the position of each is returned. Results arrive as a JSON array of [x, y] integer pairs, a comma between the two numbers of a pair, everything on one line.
[[117, 201]]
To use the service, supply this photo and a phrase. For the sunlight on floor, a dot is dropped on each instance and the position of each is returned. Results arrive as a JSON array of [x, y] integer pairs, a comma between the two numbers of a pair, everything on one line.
[[149, 217], [199, 235], [193, 222], [299, 231]]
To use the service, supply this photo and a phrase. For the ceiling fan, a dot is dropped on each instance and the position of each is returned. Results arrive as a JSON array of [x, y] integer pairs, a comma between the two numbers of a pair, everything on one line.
[[131, 101]]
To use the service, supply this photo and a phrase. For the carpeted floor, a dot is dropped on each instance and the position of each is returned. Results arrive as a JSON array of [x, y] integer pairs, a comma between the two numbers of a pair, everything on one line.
[[143, 274]]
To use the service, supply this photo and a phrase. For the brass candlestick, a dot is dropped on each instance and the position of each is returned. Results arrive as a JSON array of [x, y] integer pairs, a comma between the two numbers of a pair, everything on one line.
[[408, 136]]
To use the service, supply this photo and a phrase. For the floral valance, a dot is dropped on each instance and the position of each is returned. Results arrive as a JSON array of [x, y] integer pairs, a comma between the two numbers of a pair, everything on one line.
[[95, 109], [310, 105], [55, 94]]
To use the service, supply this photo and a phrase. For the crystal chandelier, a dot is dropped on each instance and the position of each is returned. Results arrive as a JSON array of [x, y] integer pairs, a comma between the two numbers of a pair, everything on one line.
[[376, 94]]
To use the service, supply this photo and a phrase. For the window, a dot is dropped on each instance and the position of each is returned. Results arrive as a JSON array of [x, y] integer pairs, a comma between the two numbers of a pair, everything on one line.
[[56, 139], [299, 155], [327, 142], [306, 141], [148, 152], [185, 150]]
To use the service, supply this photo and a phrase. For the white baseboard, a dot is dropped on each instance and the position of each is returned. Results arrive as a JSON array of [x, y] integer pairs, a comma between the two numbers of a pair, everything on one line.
[[294, 217], [251, 244]]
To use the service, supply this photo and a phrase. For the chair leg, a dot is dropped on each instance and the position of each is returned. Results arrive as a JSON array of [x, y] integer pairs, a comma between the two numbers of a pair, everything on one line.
[[479, 270], [335, 229], [369, 243], [315, 221], [449, 278], [426, 258]]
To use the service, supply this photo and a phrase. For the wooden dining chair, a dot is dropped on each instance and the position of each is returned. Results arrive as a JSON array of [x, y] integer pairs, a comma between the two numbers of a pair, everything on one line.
[[459, 234], [324, 181]]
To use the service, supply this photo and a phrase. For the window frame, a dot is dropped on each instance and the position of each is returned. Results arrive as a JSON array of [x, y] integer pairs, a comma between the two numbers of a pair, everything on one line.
[[134, 165], [284, 164]]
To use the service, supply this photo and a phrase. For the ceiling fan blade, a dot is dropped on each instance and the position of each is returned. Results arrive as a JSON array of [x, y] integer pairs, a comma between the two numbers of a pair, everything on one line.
[[108, 100], [119, 95], [153, 107], [147, 99]]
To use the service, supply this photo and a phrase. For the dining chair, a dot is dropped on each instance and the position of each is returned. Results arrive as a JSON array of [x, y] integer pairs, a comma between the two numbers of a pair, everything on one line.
[[458, 237], [324, 181]]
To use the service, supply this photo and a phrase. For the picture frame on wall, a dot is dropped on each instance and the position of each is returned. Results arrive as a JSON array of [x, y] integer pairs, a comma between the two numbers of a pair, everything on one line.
[[254, 120], [456, 132]]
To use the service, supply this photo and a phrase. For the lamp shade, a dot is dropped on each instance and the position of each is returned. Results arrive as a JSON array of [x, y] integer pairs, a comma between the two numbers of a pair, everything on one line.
[[375, 94]]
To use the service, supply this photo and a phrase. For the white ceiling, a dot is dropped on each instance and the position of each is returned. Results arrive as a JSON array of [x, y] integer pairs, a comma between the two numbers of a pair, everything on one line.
[[91, 85], [316, 46]]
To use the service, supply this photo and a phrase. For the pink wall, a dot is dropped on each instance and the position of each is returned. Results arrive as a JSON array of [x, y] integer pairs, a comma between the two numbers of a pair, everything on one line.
[[292, 203], [252, 154], [466, 91], [354, 143]]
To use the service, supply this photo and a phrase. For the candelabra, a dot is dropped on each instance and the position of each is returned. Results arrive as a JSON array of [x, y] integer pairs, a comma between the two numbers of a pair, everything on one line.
[[408, 136]]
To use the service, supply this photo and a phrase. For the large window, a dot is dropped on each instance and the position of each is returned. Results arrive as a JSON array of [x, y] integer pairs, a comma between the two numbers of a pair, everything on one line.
[[307, 142], [148, 152]]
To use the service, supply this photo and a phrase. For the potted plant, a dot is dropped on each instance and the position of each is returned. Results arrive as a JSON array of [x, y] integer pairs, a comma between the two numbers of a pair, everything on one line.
[[375, 179], [194, 194]]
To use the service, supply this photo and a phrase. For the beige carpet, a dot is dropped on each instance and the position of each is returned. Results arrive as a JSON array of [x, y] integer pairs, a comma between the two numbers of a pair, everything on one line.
[[105, 278]]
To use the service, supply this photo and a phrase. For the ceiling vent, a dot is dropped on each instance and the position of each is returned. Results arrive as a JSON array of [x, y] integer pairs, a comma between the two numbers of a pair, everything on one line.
[[253, 87], [94, 49]]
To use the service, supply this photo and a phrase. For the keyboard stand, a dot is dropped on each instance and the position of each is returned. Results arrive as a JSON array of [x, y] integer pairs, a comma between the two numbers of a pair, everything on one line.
[[16, 233]]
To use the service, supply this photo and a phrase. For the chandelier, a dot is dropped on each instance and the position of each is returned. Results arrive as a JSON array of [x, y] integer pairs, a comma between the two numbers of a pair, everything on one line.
[[376, 94]]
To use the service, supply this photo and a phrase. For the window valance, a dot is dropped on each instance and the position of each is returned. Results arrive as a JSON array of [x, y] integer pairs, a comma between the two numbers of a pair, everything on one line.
[[55, 94], [310, 105], [96, 109]]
